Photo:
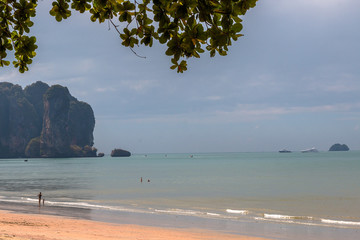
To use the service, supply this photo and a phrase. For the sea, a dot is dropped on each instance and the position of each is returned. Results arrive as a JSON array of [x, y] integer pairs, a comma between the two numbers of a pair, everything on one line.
[[269, 194]]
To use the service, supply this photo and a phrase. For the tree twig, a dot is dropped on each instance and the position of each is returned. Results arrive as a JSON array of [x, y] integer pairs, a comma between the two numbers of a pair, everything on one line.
[[119, 34]]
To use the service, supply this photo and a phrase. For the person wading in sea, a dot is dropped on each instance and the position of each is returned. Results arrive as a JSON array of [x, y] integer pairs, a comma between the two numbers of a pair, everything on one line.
[[40, 195]]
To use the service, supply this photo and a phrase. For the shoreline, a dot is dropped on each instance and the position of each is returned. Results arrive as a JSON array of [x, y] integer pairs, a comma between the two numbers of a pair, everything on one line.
[[21, 226], [18, 218]]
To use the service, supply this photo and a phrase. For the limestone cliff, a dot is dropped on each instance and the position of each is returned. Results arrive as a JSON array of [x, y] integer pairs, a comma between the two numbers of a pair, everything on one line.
[[35, 93], [15, 128], [43, 121], [55, 139], [81, 119]]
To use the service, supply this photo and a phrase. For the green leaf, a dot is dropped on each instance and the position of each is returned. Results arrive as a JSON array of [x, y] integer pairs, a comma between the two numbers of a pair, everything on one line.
[[4, 63], [237, 27]]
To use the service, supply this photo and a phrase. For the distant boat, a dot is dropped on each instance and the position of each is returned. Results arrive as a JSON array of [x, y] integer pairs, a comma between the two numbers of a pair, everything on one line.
[[284, 151], [310, 150]]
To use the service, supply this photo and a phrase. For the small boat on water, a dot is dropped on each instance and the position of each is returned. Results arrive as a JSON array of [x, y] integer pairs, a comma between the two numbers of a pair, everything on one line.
[[284, 151], [310, 150]]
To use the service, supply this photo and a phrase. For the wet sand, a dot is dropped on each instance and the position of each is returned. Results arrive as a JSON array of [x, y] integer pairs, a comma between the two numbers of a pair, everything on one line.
[[16, 226]]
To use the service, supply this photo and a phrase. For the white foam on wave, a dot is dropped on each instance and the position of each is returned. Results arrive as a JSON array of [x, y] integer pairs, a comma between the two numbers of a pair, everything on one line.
[[278, 216], [193, 213], [242, 212], [329, 221], [287, 221], [213, 214], [274, 219], [286, 217], [179, 212], [114, 208], [30, 199], [75, 205], [19, 200], [95, 206]]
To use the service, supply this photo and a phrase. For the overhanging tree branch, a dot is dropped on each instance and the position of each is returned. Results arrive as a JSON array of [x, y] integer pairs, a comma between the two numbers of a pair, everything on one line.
[[187, 27]]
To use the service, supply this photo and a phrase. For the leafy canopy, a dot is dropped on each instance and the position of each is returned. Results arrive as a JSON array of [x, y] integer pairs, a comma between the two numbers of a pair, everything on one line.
[[187, 27]]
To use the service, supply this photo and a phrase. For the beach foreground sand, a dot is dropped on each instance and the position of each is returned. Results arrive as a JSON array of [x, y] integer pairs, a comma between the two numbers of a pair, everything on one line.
[[17, 226]]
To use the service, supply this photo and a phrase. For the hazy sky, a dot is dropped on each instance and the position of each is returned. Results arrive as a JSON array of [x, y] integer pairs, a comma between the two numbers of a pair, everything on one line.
[[293, 81]]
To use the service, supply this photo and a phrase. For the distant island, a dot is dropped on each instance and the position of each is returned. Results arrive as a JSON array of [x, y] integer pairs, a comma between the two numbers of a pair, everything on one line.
[[117, 152], [44, 121], [339, 147]]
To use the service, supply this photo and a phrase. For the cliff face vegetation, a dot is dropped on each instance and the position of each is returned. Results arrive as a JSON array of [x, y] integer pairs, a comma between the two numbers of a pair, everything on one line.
[[44, 121]]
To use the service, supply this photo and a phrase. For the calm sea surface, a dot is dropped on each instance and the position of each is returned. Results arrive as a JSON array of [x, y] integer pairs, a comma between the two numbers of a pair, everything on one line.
[[320, 189]]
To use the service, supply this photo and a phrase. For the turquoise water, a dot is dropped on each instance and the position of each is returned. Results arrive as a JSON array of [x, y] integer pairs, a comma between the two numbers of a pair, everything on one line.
[[302, 188]]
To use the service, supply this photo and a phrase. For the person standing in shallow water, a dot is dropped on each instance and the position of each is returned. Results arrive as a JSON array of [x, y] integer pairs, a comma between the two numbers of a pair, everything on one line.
[[39, 196]]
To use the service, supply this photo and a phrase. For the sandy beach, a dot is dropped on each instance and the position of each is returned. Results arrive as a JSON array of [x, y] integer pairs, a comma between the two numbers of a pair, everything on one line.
[[17, 226]]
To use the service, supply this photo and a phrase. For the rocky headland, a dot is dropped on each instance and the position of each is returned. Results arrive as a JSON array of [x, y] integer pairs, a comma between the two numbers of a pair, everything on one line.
[[44, 121]]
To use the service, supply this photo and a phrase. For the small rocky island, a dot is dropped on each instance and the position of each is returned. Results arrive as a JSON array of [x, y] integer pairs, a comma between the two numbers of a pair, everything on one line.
[[339, 147], [117, 152], [44, 121]]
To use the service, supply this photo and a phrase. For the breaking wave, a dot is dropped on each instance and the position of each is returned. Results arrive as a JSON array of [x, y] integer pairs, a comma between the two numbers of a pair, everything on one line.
[[337, 222], [230, 214]]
